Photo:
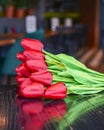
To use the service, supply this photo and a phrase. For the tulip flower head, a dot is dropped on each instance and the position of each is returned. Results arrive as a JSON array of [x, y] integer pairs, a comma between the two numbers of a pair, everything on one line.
[[22, 70], [33, 55], [36, 65], [56, 91], [32, 44], [42, 76], [33, 90]]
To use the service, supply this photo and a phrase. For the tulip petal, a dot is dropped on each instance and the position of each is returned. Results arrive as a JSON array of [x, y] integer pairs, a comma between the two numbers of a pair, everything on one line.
[[56, 91], [32, 44]]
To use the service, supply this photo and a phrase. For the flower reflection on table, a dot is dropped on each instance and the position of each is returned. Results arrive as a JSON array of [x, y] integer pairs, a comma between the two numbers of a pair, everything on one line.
[[37, 114]]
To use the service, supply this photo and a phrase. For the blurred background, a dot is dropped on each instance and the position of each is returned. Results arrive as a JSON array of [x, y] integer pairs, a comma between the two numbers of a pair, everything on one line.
[[73, 27]]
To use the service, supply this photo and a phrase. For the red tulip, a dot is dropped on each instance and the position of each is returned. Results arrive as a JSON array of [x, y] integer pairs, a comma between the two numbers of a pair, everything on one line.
[[32, 44], [20, 79], [36, 65], [25, 83], [33, 55], [20, 56], [56, 91], [43, 76], [21, 70], [34, 90]]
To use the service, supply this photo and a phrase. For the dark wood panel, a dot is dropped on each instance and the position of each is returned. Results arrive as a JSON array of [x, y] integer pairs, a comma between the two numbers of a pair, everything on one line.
[[89, 14]]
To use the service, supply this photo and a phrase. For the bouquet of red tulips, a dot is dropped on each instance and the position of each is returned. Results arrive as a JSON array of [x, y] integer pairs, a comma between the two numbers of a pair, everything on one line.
[[43, 74]]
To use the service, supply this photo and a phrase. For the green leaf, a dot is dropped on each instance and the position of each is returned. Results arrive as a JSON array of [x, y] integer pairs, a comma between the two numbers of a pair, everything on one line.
[[71, 62], [85, 89], [63, 79]]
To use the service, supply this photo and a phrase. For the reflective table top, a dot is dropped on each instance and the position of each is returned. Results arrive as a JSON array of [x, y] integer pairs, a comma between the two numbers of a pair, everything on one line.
[[76, 112]]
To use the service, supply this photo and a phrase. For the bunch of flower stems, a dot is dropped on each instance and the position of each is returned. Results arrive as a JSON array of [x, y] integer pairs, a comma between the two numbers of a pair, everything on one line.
[[77, 77]]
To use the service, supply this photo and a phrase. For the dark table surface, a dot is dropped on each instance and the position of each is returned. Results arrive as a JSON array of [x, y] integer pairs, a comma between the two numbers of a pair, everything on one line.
[[73, 113]]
